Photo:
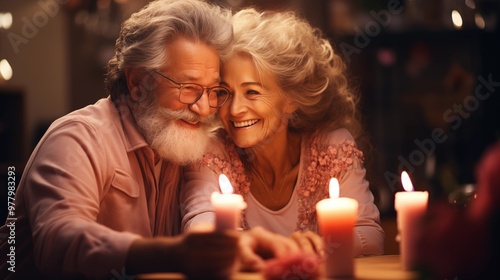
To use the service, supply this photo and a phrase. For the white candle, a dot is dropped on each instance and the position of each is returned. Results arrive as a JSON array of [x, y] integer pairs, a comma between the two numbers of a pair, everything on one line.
[[337, 217], [227, 206], [411, 207]]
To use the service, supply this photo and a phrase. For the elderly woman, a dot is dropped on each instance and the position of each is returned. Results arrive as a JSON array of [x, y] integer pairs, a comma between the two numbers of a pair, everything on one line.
[[290, 125]]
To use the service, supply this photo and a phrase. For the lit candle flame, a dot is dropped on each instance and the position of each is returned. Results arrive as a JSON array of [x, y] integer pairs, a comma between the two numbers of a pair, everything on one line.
[[334, 188], [405, 180], [225, 185]]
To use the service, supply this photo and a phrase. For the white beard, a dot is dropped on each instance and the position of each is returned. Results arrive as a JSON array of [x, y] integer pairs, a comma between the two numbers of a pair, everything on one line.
[[171, 141]]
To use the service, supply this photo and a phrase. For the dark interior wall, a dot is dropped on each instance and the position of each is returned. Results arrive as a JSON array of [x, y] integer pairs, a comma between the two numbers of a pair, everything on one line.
[[429, 112], [87, 67]]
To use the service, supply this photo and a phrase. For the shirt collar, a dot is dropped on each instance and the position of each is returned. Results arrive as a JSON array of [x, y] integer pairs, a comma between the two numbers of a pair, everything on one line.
[[132, 138]]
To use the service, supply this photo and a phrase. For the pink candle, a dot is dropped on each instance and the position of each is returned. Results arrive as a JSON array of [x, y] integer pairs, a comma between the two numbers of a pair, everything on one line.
[[411, 207], [336, 218], [227, 206]]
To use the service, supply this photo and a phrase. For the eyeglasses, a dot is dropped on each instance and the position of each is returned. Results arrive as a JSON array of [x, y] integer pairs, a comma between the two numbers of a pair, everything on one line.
[[190, 93]]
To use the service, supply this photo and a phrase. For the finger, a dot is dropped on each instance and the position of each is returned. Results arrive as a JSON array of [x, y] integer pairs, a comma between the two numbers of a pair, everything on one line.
[[272, 245], [288, 246], [309, 242], [249, 260], [304, 242], [317, 242]]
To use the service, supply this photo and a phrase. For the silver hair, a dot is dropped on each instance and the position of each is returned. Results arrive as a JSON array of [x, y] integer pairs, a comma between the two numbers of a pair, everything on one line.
[[304, 64], [142, 39]]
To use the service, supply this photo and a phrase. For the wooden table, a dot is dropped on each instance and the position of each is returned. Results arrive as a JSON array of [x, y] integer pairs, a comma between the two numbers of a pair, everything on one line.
[[385, 267]]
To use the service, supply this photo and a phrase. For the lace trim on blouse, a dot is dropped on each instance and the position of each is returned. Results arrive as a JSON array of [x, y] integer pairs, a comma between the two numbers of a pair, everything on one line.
[[320, 163]]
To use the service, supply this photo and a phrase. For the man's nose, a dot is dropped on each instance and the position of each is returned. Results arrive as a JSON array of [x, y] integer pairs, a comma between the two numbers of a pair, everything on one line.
[[202, 106]]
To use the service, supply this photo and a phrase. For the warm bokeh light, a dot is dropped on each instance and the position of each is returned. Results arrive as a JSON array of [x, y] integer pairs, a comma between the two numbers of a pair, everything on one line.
[[470, 4], [480, 23], [5, 69], [457, 19], [5, 20], [334, 188], [225, 185], [405, 180]]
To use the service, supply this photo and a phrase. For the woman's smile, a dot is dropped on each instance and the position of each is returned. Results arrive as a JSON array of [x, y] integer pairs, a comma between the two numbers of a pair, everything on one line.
[[245, 123]]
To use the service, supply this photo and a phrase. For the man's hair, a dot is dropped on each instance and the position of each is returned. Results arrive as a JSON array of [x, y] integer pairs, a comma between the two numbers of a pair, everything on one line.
[[143, 37]]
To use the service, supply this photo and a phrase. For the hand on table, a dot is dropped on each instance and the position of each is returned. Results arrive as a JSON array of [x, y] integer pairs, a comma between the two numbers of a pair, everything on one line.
[[210, 255], [309, 243], [303, 264], [278, 256], [197, 254], [202, 253], [257, 244]]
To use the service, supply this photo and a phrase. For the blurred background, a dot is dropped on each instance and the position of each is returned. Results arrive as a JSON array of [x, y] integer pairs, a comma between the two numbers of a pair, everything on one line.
[[427, 71]]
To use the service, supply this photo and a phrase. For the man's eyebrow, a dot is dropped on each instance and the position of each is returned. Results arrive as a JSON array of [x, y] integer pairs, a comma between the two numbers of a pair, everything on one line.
[[193, 79]]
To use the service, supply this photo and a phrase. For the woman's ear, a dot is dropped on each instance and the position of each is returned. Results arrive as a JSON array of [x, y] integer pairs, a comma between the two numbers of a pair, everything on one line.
[[134, 78], [290, 107]]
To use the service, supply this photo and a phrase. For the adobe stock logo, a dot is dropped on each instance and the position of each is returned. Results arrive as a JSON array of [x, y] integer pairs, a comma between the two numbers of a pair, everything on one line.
[[454, 117], [373, 28], [48, 9]]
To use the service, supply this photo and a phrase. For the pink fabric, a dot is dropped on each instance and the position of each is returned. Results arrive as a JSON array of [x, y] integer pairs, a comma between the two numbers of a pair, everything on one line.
[[87, 193], [323, 156], [281, 221]]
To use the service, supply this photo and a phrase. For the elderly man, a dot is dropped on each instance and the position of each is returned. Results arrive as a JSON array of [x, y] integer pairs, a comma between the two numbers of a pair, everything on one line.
[[99, 194]]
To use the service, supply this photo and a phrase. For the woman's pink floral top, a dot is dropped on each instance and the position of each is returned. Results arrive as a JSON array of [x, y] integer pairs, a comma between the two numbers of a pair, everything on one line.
[[322, 157]]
